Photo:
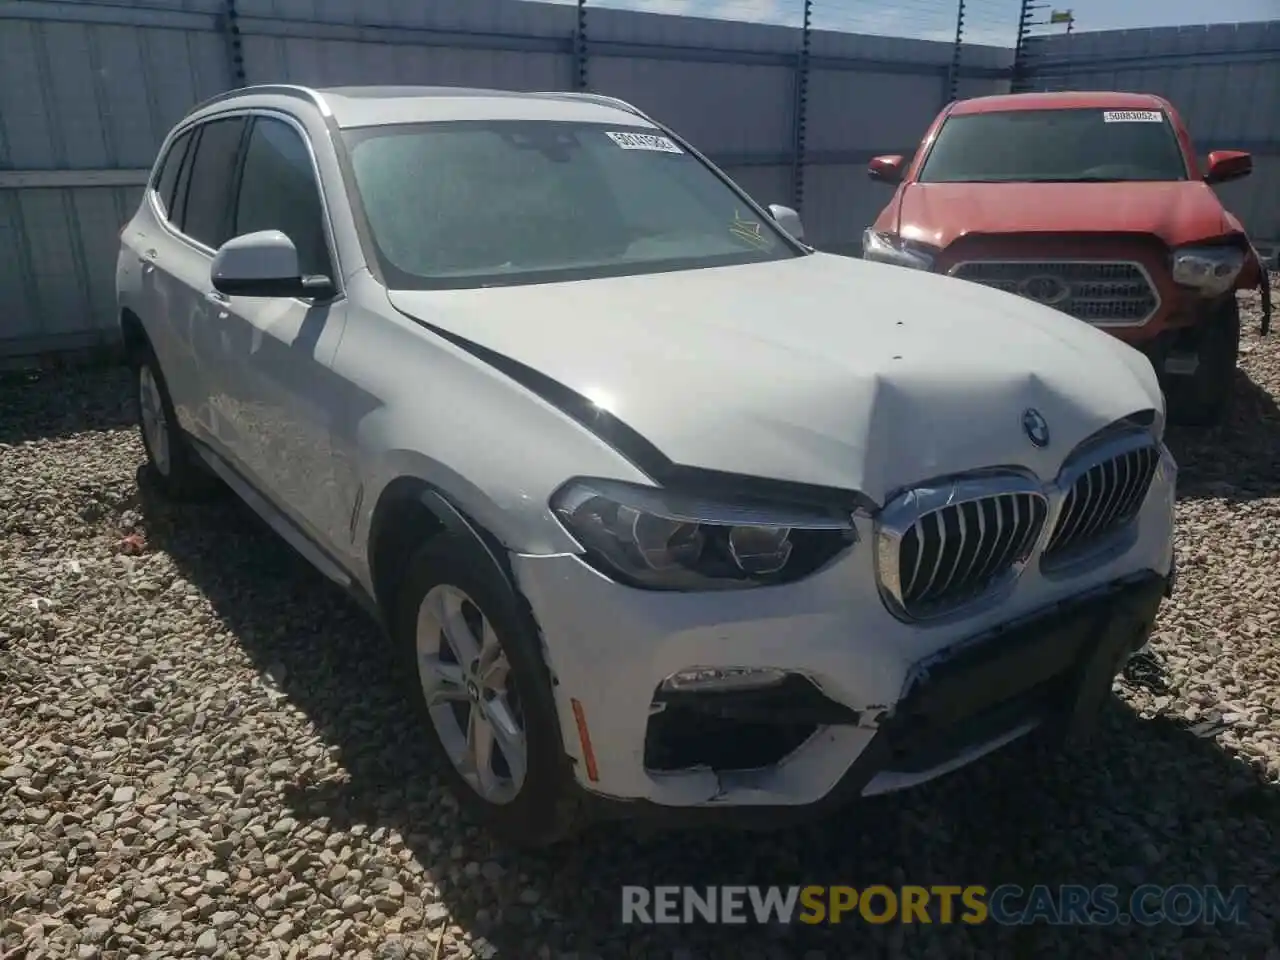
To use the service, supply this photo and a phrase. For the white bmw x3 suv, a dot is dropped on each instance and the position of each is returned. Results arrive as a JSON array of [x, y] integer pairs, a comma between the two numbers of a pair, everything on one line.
[[664, 511]]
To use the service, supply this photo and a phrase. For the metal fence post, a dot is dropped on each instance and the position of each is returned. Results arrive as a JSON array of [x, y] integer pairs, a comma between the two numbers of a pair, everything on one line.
[[1021, 68], [580, 79], [230, 24], [800, 112], [953, 75]]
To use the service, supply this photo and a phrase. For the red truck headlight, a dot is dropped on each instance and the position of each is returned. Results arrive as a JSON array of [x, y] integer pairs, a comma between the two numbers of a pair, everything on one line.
[[1210, 269], [884, 247]]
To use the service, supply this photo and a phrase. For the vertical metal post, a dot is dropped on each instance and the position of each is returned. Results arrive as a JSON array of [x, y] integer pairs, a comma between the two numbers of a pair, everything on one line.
[[235, 45], [580, 78], [801, 108], [953, 75], [1018, 78], [1021, 69]]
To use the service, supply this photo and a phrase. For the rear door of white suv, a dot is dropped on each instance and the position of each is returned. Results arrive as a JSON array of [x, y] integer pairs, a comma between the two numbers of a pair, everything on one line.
[[184, 217]]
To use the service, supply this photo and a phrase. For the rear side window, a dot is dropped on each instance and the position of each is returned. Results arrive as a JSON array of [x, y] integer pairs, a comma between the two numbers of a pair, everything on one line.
[[207, 217], [278, 191], [167, 179], [179, 211]]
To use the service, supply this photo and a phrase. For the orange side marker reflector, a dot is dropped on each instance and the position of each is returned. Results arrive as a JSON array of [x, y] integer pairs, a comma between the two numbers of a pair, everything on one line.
[[580, 717]]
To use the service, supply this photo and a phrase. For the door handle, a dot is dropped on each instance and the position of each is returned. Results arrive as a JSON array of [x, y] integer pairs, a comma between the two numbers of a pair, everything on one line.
[[217, 296]]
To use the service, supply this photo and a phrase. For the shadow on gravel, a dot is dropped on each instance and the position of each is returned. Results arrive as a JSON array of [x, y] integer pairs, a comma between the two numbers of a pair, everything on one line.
[[46, 405], [1239, 460], [1151, 803]]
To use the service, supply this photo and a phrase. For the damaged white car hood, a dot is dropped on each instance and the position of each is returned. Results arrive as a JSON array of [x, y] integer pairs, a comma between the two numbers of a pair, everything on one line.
[[820, 370]]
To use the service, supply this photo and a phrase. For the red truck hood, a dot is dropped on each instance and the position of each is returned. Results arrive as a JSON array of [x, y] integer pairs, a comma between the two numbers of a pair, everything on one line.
[[939, 213]]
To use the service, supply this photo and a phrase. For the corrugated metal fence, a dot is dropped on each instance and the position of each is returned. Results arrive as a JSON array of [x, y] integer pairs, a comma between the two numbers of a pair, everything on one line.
[[88, 89]]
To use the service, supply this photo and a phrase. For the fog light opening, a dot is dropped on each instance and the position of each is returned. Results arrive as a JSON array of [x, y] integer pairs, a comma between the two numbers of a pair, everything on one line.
[[710, 679]]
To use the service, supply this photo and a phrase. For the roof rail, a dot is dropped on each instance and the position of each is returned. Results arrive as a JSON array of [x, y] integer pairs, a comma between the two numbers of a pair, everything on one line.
[[277, 89], [597, 98]]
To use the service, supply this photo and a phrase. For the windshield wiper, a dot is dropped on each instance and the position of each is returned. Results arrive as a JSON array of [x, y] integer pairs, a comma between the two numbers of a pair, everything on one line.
[[1077, 180]]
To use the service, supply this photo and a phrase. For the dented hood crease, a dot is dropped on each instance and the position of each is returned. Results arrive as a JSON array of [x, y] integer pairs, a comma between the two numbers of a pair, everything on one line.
[[820, 370], [1175, 212]]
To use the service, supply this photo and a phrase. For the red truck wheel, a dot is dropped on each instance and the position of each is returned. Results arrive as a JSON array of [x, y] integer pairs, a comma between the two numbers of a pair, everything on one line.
[[1202, 399]]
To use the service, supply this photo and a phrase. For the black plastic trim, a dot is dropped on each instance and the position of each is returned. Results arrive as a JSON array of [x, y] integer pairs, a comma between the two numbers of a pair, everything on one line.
[[640, 452], [626, 441], [458, 525], [318, 288]]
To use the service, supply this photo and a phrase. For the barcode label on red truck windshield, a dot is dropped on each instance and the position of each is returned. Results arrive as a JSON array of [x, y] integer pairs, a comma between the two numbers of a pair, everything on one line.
[[1132, 116]]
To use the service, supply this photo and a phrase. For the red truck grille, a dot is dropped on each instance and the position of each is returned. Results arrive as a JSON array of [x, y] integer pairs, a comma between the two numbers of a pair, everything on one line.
[[1102, 292]]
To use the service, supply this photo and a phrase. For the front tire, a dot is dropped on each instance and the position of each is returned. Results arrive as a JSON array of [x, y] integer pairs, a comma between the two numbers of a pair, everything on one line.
[[1203, 399], [172, 464], [472, 658]]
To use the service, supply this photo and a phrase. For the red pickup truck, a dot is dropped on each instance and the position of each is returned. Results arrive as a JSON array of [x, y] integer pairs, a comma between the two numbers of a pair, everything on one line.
[[1093, 203]]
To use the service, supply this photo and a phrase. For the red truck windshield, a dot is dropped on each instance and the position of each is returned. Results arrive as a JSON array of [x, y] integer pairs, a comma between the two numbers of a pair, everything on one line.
[[1055, 146]]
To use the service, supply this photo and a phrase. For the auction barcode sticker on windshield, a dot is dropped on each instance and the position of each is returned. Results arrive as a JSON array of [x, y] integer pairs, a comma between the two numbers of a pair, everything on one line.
[[643, 141], [1132, 116]]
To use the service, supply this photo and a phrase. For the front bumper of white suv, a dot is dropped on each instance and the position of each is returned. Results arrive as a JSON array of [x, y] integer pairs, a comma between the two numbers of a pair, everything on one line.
[[853, 694]]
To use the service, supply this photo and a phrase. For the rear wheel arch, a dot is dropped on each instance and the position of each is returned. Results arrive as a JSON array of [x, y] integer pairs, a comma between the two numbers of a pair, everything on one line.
[[134, 336]]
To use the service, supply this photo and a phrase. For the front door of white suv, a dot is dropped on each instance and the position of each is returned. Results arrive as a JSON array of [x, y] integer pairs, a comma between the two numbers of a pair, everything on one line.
[[281, 395]]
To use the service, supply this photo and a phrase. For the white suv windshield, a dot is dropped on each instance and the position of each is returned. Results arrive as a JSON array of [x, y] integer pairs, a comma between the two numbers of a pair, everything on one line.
[[1055, 146], [470, 204]]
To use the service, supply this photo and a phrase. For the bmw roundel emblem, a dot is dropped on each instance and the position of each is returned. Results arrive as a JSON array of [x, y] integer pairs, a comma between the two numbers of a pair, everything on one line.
[[1035, 427]]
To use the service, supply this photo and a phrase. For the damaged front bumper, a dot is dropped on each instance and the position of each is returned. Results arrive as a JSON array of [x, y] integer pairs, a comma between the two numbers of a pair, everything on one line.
[[849, 701]]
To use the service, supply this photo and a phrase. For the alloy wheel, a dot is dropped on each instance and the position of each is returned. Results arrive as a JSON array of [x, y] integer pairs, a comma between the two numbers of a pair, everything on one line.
[[466, 680]]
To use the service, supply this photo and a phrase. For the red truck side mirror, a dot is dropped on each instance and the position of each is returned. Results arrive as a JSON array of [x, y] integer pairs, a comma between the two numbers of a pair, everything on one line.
[[1226, 165], [887, 169]]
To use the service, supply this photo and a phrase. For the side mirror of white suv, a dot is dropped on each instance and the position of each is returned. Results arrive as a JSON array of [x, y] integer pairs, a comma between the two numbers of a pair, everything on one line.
[[263, 264], [787, 219]]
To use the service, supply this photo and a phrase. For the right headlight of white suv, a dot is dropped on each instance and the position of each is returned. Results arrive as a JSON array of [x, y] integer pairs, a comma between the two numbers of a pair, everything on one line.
[[657, 539]]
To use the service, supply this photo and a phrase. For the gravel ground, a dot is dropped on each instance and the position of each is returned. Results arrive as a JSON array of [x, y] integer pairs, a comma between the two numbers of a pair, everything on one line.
[[202, 751]]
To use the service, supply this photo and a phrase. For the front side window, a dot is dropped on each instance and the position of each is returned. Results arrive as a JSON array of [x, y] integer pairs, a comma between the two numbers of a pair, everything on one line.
[[167, 179], [469, 204], [207, 217], [278, 191], [1055, 146]]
